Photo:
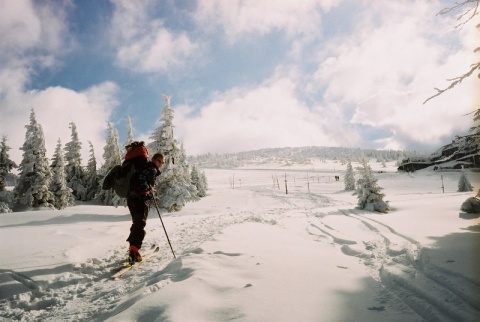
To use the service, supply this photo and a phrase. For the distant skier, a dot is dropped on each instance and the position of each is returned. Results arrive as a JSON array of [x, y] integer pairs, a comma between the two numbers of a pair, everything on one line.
[[140, 194]]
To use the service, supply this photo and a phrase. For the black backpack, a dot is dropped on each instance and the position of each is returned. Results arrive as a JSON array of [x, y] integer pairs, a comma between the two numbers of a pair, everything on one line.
[[118, 178]]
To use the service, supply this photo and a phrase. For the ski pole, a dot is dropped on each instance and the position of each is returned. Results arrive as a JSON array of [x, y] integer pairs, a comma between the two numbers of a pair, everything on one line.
[[158, 211]]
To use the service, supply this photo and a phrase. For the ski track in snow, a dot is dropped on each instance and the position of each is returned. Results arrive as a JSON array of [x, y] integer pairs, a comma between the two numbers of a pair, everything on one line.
[[399, 264], [84, 290], [403, 267]]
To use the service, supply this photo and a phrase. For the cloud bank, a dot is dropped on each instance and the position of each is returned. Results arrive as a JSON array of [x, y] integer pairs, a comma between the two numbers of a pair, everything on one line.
[[346, 73]]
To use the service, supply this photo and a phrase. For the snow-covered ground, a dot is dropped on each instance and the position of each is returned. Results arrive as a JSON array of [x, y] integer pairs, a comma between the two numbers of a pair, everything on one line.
[[255, 253]]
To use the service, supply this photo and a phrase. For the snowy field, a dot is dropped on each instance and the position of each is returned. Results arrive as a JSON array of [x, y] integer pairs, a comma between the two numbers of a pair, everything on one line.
[[255, 253]]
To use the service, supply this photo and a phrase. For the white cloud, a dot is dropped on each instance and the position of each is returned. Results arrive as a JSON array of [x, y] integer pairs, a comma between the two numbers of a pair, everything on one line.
[[143, 44], [270, 115], [33, 36], [55, 108], [376, 76], [402, 114], [27, 26], [389, 66], [238, 18], [379, 76]]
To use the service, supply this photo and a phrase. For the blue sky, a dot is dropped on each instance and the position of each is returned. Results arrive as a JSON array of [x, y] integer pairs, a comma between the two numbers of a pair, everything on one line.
[[243, 74]]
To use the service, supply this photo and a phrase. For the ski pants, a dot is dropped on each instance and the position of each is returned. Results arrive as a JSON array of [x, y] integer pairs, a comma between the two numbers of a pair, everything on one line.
[[139, 212]]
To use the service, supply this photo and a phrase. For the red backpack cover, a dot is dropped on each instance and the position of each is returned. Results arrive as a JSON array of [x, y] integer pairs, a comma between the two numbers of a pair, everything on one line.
[[136, 149]]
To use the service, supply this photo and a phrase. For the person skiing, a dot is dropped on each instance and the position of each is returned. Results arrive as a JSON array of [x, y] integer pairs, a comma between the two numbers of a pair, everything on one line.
[[140, 194]]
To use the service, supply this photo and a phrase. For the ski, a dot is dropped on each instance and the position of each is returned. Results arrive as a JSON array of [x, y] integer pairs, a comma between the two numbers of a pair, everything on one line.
[[126, 267]]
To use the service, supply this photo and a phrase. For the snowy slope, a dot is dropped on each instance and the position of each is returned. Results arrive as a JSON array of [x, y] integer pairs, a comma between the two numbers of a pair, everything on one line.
[[254, 253]]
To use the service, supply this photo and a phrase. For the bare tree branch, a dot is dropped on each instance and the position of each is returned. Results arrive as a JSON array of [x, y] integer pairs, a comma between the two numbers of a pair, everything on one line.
[[455, 81], [467, 15]]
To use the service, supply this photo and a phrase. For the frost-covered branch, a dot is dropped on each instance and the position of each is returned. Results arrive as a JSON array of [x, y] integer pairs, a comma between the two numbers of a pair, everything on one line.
[[472, 10], [455, 81]]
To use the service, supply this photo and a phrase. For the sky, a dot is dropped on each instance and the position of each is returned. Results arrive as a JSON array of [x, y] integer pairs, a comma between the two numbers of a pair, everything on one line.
[[242, 74]]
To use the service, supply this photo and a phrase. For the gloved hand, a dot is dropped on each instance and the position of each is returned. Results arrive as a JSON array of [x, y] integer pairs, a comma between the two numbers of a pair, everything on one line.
[[149, 196]]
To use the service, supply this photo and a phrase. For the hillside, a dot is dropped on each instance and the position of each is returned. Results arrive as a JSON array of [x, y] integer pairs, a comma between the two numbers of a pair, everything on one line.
[[255, 253], [463, 152]]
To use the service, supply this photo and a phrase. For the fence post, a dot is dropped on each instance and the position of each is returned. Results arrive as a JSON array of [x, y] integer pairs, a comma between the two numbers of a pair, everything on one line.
[[308, 183], [286, 188]]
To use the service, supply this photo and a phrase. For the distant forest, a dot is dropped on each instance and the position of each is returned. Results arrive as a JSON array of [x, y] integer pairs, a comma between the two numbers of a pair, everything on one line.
[[298, 155]]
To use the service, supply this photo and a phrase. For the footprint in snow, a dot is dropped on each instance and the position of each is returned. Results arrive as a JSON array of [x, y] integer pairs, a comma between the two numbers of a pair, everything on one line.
[[227, 254]]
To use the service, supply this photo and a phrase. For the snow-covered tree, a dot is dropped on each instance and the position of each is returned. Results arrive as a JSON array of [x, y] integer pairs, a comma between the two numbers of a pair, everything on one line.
[[199, 181], [466, 12], [112, 157], [91, 178], [62, 193], [174, 187], [130, 137], [162, 137], [368, 192], [349, 177], [6, 165], [463, 183], [4, 208], [32, 189], [75, 173]]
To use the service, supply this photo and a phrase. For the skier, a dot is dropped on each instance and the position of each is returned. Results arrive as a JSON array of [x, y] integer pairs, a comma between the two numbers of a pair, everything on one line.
[[141, 193]]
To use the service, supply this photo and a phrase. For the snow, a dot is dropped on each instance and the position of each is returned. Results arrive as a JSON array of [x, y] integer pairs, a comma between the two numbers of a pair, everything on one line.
[[254, 253]]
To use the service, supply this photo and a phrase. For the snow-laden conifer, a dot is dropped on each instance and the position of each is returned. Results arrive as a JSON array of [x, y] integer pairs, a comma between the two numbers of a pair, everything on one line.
[[62, 193], [174, 187], [4, 208], [368, 192], [203, 180], [349, 177], [111, 157], [6, 165], [32, 189], [199, 180], [91, 177], [130, 137], [75, 174], [463, 183]]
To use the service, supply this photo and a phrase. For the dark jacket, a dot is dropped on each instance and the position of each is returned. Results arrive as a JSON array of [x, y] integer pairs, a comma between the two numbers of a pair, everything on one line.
[[143, 181]]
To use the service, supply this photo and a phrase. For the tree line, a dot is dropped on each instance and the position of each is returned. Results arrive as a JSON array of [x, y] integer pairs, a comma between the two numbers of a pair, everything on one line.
[[60, 182]]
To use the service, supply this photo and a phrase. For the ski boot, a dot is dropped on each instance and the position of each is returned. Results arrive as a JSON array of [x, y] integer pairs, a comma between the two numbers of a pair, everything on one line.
[[134, 255]]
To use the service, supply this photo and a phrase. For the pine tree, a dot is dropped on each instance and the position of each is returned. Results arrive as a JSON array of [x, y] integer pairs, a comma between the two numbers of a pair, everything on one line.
[[32, 189], [112, 157], [162, 137], [6, 165], [130, 137], [368, 192], [174, 187], [73, 157], [349, 177], [463, 183], [91, 178], [4, 208], [204, 181], [199, 180], [62, 193]]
